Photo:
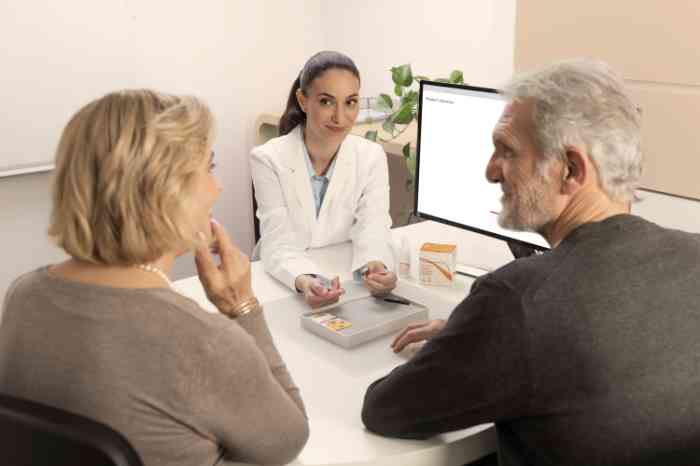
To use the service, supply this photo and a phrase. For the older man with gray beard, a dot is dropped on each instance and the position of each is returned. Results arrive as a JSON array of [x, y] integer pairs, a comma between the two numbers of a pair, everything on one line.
[[589, 353]]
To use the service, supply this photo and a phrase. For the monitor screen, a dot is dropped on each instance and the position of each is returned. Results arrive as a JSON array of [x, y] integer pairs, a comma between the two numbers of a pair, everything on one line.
[[454, 146]]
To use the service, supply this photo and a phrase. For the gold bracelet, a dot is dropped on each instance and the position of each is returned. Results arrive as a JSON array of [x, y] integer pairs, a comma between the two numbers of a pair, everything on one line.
[[245, 307]]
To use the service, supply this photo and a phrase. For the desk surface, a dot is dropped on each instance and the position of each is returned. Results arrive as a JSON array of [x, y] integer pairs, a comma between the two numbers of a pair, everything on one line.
[[333, 380]]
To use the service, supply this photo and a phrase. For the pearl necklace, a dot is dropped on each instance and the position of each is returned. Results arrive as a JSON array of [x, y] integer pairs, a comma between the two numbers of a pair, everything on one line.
[[158, 271]]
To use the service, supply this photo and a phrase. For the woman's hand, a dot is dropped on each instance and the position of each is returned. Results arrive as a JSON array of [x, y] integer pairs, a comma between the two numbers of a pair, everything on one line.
[[378, 280], [315, 293], [227, 285], [418, 331]]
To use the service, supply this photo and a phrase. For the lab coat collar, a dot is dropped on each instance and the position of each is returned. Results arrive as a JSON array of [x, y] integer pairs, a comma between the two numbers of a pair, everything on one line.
[[342, 170], [296, 164], [336, 187]]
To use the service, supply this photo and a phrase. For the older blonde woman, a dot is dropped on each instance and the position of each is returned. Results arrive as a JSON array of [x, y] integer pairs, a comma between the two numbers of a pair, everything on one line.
[[105, 335]]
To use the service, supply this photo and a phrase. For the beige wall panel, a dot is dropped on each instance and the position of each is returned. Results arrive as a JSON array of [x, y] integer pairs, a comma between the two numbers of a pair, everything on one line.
[[646, 40], [655, 47], [671, 137]]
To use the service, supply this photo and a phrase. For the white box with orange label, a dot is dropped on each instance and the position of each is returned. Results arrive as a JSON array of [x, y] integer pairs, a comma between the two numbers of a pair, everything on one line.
[[438, 264]]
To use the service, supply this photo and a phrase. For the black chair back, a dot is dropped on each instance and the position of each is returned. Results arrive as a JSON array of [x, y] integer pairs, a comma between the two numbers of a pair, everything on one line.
[[256, 221], [34, 434]]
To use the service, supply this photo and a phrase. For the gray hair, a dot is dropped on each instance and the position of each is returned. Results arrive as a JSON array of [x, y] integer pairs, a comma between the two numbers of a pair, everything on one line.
[[583, 103]]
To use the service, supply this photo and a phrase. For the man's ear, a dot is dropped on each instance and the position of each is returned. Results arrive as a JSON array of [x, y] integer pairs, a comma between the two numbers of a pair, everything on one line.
[[301, 100], [577, 170]]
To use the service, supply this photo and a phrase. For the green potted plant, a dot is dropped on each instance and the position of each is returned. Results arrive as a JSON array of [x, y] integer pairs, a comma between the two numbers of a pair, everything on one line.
[[403, 112]]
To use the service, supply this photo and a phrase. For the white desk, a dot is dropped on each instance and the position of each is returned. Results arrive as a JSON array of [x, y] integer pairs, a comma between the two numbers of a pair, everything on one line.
[[333, 380]]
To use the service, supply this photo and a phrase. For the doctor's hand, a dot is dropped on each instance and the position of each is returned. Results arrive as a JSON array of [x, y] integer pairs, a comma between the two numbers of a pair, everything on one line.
[[417, 331], [378, 280], [315, 293]]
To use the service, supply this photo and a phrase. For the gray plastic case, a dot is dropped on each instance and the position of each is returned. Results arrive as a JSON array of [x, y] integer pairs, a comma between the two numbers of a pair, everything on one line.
[[370, 318]]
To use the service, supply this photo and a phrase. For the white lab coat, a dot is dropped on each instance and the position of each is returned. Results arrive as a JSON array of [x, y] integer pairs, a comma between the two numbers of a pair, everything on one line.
[[355, 206]]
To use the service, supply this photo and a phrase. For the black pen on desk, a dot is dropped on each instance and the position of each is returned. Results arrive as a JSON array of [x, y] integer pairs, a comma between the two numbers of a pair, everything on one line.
[[397, 301]]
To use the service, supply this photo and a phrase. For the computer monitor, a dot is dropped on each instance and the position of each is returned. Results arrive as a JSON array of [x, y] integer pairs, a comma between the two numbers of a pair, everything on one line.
[[454, 146]]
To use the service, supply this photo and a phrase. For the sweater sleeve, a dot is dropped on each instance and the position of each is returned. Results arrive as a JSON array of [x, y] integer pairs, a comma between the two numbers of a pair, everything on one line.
[[8, 296], [256, 326], [474, 371], [247, 398]]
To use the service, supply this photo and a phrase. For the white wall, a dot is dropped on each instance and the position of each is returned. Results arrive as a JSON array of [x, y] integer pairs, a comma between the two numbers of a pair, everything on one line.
[[475, 36], [24, 218], [240, 56]]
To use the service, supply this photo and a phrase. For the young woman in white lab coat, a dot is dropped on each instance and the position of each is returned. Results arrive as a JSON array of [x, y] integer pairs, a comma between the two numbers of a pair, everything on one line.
[[317, 185]]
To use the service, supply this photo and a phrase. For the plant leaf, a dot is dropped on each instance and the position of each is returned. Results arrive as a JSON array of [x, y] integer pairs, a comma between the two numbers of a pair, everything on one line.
[[410, 98], [406, 150], [385, 101], [381, 106], [404, 116], [409, 184], [388, 125], [402, 75], [457, 77], [411, 166], [442, 80], [371, 135], [398, 90]]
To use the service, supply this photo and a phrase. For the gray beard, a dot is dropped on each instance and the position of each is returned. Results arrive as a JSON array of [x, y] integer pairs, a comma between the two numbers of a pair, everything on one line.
[[529, 211]]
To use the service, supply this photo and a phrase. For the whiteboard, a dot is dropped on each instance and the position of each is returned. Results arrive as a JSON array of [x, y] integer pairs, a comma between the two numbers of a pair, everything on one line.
[[58, 56]]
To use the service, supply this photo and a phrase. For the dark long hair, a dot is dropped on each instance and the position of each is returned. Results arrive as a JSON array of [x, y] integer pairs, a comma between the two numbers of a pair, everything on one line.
[[314, 68]]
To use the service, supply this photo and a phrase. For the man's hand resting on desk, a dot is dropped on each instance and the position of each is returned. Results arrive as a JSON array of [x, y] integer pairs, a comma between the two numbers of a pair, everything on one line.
[[415, 332], [378, 280], [316, 294]]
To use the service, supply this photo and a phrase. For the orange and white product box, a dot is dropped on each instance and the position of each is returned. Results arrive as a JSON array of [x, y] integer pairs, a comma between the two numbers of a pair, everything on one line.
[[438, 264]]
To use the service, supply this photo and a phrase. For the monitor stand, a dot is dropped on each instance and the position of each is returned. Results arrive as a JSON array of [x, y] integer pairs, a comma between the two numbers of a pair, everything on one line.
[[470, 270], [517, 249]]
